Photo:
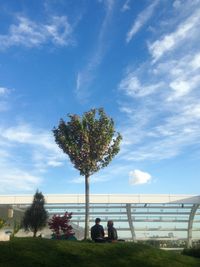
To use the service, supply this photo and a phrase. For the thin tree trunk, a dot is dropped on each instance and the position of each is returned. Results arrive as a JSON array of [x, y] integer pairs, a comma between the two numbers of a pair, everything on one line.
[[34, 233], [87, 202]]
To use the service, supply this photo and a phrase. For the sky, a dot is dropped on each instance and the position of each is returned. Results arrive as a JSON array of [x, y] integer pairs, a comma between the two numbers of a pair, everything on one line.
[[138, 59]]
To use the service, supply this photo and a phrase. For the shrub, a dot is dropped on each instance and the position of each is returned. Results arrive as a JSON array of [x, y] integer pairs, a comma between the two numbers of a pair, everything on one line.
[[60, 226]]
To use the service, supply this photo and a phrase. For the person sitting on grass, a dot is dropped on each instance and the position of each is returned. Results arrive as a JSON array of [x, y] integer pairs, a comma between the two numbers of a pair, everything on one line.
[[97, 232], [112, 232]]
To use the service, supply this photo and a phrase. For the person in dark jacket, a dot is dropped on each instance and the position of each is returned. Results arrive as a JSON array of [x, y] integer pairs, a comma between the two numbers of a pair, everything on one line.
[[97, 231], [112, 232]]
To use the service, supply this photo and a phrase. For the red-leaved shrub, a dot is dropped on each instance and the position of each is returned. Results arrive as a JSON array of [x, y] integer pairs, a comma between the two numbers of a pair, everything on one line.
[[59, 224]]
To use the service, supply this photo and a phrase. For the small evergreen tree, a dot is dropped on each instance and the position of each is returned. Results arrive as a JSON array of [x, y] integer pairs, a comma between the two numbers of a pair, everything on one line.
[[35, 216], [60, 226]]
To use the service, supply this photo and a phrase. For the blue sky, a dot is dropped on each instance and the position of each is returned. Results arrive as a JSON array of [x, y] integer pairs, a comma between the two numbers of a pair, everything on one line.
[[139, 59]]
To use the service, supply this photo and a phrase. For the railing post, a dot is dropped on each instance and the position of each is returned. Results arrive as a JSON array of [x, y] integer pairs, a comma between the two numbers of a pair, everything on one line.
[[190, 224], [128, 209]]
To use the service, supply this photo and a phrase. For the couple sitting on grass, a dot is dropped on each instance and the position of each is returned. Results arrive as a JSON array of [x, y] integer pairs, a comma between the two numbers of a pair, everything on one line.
[[97, 232]]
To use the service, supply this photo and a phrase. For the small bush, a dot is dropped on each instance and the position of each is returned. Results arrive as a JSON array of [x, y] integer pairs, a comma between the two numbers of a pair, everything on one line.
[[60, 227]]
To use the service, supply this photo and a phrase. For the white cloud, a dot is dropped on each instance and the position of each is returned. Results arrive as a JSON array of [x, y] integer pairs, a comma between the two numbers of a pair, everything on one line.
[[165, 134], [54, 163], [141, 20], [157, 129], [33, 34], [4, 91], [20, 133], [177, 3], [179, 67], [109, 4], [126, 6], [4, 105], [186, 30], [16, 180], [185, 5], [26, 153], [133, 87], [43, 149], [60, 30], [181, 74], [183, 87], [138, 177], [162, 115], [195, 62], [24, 133]]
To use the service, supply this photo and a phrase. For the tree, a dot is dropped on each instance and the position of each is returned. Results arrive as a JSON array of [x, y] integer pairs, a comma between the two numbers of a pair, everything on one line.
[[60, 226], [91, 143], [35, 216]]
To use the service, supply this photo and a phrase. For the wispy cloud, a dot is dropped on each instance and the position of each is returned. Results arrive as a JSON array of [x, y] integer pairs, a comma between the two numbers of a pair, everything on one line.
[[138, 177], [126, 6], [133, 87], [177, 3], [161, 108], [25, 154], [141, 20], [185, 4], [17, 180], [47, 150], [87, 75], [30, 34], [162, 124], [187, 29], [4, 105], [106, 174], [4, 91]]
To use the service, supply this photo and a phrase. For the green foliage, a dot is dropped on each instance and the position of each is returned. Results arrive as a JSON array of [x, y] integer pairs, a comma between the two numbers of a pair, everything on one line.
[[16, 227], [88, 141], [29, 252], [35, 216], [2, 223]]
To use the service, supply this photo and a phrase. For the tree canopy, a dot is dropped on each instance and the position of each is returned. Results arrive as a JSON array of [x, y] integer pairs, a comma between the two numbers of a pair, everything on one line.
[[89, 141]]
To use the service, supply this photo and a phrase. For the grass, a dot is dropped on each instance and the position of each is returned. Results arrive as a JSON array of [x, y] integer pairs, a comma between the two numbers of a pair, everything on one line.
[[30, 252], [194, 252]]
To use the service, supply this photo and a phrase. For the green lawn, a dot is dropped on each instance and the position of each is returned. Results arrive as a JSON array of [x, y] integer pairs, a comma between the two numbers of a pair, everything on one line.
[[30, 252]]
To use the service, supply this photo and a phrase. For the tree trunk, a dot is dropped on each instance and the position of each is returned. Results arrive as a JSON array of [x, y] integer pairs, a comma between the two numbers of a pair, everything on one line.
[[34, 233], [87, 202]]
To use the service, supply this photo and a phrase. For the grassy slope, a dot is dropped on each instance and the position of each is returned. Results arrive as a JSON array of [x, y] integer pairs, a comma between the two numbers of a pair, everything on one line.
[[29, 252]]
